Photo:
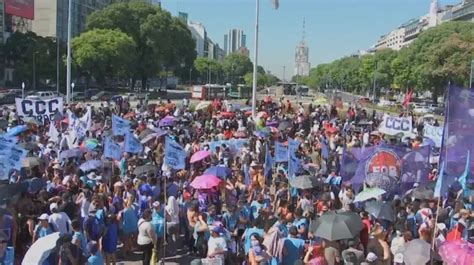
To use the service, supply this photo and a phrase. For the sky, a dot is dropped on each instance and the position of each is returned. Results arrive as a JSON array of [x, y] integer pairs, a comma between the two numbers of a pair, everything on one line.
[[334, 28]]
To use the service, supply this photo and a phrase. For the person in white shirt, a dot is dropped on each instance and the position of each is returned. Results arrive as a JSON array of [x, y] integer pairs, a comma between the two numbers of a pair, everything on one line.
[[59, 220], [216, 245], [147, 238]]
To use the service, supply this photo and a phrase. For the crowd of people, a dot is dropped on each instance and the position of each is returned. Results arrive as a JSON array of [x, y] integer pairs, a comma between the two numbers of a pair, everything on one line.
[[243, 212]]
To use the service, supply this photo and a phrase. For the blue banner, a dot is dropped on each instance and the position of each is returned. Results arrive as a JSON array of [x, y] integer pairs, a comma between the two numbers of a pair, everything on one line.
[[387, 167], [175, 156], [120, 126], [13, 156], [112, 149], [268, 162], [281, 152], [293, 146], [132, 144]]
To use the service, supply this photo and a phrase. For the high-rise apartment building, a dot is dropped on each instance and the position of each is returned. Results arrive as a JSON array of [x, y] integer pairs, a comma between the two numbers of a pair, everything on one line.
[[234, 40]]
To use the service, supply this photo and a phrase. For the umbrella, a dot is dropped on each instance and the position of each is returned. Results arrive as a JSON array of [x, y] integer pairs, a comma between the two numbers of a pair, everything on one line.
[[457, 252], [245, 109], [145, 169], [149, 137], [380, 210], [303, 182], [284, 125], [421, 193], [16, 130], [40, 250], [203, 105], [261, 134], [369, 193], [337, 225], [76, 152], [167, 121], [199, 155], [416, 252], [29, 146], [221, 172], [145, 133], [267, 99], [205, 182], [262, 114], [227, 114], [31, 162], [159, 131], [91, 165], [90, 144]]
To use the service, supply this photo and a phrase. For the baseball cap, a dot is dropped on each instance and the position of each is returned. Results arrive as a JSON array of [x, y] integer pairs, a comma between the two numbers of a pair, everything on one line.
[[44, 216]]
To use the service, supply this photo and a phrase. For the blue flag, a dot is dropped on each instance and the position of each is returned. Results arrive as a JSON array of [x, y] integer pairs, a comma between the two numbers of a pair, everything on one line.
[[439, 182], [292, 146], [463, 179], [268, 162], [120, 126], [132, 144], [281, 152], [112, 149], [175, 156]]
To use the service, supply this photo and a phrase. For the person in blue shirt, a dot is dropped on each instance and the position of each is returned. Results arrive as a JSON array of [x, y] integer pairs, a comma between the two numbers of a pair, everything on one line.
[[110, 239], [158, 222], [293, 247], [257, 205], [78, 237], [129, 224], [249, 232], [43, 228], [301, 223], [96, 257]]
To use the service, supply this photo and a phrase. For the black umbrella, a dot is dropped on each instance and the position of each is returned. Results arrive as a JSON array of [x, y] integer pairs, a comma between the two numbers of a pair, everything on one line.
[[380, 210], [337, 225], [303, 182], [284, 125], [145, 169], [421, 193]]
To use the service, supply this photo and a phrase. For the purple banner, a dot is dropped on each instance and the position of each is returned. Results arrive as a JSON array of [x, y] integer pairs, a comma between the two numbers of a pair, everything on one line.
[[386, 167], [458, 136]]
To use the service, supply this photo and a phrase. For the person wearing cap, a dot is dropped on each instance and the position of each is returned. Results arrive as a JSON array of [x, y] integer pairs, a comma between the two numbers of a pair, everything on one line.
[[59, 220], [43, 228], [217, 245]]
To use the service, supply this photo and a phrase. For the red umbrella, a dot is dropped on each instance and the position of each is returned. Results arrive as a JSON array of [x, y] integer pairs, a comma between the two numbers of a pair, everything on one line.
[[205, 182], [199, 155]]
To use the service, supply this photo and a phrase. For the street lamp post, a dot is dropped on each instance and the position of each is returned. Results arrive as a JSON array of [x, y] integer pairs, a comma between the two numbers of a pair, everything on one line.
[[34, 71], [72, 91], [190, 75], [22, 89], [284, 71], [68, 60], [57, 65]]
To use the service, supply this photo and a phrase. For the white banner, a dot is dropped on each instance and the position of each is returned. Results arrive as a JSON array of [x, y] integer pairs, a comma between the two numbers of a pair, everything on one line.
[[42, 110], [434, 133], [392, 125]]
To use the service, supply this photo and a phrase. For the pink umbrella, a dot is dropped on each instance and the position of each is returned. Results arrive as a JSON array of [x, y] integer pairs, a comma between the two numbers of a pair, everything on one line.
[[205, 182], [457, 252], [199, 155]]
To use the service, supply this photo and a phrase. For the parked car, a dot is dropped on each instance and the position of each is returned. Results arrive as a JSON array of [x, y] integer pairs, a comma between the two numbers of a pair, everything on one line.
[[78, 96], [41, 95], [363, 100], [421, 109], [102, 96]]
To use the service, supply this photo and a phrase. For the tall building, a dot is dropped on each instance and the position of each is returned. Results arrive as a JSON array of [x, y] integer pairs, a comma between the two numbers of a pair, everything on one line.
[[51, 16], [183, 17], [302, 57], [199, 34], [433, 15], [234, 40]]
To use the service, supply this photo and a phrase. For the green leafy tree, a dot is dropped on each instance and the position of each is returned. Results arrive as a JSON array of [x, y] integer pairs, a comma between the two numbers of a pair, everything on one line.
[[161, 41], [261, 79], [236, 65], [203, 65], [103, 52]]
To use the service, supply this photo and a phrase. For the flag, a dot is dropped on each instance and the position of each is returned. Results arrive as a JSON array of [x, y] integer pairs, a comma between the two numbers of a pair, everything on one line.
[[268, 162], [120, 126], [439, 182], [132, 144], [408, 97], [175, 155], [281, 152], [112, 149], [463, 178], [53, 132]]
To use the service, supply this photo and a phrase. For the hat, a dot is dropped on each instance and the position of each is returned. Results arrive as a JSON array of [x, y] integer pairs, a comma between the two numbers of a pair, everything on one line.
[[217, 229], [53, 206], [44, 216], [371, 257], [156, 204]]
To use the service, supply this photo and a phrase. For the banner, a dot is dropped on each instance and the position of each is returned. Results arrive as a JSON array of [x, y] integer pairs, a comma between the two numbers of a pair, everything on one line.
[[120, 126], [53, 133], [7, 142], [458, 135], [13, 156], [235, 145], [43, 110], [387, 167], [132, 144], [175, 156], [392, 125], [281, 152], [293, 146], [20, 8], [112, 149], [268, 162], [434, 133]]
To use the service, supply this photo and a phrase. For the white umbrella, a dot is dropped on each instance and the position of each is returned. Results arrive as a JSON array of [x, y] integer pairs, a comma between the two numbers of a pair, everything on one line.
[[203, 105], [417, 252], [40, 250], [369, 193]]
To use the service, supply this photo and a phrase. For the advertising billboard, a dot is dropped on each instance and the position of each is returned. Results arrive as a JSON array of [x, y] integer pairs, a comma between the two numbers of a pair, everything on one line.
[[20, 8]]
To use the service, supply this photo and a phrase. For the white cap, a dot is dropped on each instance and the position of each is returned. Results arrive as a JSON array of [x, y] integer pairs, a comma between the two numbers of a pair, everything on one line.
[[156, 204], [44, 216], [53, 206]]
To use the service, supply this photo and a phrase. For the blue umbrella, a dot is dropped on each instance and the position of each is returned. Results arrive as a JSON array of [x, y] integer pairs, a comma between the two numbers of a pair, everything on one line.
[[16, 130], [91, 165], [221, 172], [76, 152]]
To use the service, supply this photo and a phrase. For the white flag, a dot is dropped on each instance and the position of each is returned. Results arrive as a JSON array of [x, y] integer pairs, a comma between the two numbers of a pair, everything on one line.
[[53, 132]]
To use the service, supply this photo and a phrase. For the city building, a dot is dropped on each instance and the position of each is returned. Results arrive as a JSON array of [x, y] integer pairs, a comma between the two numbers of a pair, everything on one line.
[[199, 34], [234, 40], [244, 51], [461, 12], [51, 16], [302, 65], [394, 40]]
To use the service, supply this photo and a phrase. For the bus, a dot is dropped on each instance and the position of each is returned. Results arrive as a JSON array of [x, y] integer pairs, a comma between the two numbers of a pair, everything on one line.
[[240, 91], [208, 92]]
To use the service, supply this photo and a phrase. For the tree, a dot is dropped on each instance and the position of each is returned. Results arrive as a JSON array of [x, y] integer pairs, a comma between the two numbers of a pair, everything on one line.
[[203, 65], [261, 79], [161, 41], [103, 52], [236, 65], [271, 80]]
